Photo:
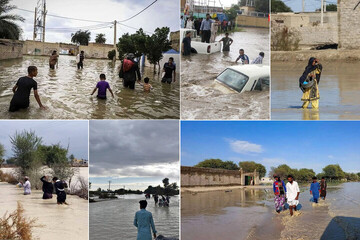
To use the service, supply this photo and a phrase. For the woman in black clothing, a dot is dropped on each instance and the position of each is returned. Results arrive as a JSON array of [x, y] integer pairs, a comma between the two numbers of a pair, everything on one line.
[[60, 191], [47, 188]]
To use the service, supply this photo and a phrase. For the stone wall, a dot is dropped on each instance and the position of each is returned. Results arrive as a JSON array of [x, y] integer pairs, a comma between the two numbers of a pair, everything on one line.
[[10, 49], [349, 24], [194, 176], [175, 40], [250, 21], [308, 26], [97, 50], [40, 48]]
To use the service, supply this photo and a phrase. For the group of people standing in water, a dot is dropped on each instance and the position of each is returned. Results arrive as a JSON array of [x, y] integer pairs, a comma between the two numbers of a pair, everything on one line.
[[48, 188], [129, 72], [289, 193]]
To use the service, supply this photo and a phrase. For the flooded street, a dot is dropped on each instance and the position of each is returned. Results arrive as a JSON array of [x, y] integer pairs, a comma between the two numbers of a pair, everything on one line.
[[250, 214], [199, 98], [72, 218], [114, 219], [66, 92], [339, 92]]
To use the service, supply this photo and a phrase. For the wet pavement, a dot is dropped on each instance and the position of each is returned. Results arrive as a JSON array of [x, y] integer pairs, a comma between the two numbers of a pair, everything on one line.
[[199, 98]]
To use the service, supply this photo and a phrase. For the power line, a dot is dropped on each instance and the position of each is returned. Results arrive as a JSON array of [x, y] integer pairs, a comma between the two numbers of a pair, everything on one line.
[[77, 19], [139, 12]]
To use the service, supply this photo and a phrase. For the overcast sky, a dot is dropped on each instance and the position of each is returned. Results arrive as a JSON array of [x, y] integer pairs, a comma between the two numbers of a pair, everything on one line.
[[52, 132], [161, 14], [134, 153]]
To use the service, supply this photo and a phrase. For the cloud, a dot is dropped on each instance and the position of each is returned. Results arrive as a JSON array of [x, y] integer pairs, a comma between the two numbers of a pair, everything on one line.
[[331, 156], [273, 161], [134, 148], [245, 147]]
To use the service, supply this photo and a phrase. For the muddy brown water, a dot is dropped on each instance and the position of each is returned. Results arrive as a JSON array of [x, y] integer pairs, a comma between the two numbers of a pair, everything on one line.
[[250, 214], [66, 92], [339, 92], [200, 100]]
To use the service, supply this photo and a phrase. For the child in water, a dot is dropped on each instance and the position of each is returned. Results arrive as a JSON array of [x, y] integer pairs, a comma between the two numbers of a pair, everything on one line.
[[315, 189], [147, 87], [102, 85]]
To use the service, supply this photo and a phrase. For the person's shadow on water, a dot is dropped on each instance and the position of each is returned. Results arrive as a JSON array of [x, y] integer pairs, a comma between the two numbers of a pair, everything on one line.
[[342, 228]]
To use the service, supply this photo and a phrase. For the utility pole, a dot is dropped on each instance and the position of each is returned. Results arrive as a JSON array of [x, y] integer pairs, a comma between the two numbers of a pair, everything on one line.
[[324, 5], [109, 186], [322, 12], [34, 34], [303, 5], [114, 59], [44, 16]]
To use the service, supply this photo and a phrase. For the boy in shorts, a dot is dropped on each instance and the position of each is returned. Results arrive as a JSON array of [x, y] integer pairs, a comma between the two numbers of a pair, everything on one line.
[[102, 86]]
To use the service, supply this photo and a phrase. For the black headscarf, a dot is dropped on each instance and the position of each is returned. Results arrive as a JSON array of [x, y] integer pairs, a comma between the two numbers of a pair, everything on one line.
[[308, 69]]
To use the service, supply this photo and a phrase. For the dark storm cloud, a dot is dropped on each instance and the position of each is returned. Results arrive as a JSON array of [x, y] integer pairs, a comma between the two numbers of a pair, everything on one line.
[[129, 146]]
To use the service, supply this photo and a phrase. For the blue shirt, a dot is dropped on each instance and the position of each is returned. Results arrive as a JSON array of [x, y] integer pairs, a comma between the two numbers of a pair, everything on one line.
[[143, 221], [243, 58], [206, 25], [314, 188]]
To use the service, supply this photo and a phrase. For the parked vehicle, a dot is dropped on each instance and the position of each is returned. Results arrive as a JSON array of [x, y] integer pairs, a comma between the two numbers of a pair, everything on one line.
[[201, 47]]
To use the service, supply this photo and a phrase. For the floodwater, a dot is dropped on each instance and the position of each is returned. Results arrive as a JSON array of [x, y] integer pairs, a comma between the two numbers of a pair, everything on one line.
[[58, 221], [66, 92], [339, 92], [250, 214], [200, 100], [114, 219]]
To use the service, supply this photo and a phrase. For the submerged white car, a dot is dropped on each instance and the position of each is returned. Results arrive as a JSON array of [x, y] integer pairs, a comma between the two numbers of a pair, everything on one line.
[[200, 47], [243, 78]]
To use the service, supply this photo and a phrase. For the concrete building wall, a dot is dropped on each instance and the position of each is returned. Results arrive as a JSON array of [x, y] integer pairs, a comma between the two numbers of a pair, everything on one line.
[[250, 21], [349, 24], [40, 48], [194, 176], [10, 49], [308, 26], [96, 50]]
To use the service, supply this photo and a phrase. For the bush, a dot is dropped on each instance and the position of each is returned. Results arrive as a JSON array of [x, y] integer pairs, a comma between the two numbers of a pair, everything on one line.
[[111, 54], [82, 190], [9, 178], [284, 39], [16, 226]]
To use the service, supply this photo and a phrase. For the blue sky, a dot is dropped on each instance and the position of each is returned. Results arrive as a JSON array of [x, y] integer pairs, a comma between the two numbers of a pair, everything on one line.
[[74, 133], [302, 144], [310, 5]]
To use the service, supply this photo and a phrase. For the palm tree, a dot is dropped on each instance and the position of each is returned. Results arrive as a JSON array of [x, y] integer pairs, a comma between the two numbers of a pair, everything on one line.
[[8, 28], [100, 38], [80, 37]]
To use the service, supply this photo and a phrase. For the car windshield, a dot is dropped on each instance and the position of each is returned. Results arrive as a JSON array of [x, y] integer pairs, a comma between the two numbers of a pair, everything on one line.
[[233, 79]]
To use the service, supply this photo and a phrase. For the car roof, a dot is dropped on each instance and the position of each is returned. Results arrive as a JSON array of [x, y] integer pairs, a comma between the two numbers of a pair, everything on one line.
[[252, 70]]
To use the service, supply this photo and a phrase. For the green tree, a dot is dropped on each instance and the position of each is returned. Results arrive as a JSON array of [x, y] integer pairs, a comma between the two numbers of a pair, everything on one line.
[[52, 154], [100, 38], [156, 44], [111, 54], [329, 8], [81, 37], [232, 12], [282, 171], [71, 158], [165, 182], [11, 160], [134, 43], [279, 6], [250, 166], [24, 146], [305, 174], [262, 6], [334, 171], [9, 29], [2, 153], [217, 163]]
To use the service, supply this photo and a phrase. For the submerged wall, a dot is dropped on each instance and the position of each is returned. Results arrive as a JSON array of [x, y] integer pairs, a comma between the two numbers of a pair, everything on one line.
[[96, 50], [10, 49], [251, 21]]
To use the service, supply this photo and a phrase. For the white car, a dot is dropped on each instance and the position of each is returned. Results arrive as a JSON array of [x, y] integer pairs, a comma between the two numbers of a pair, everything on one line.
[[201, 47], [243, 78]]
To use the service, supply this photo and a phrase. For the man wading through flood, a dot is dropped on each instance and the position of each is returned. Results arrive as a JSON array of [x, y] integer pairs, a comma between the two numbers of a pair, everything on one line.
[[309, 83], [128, 71]]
